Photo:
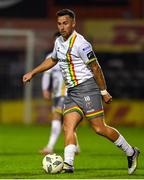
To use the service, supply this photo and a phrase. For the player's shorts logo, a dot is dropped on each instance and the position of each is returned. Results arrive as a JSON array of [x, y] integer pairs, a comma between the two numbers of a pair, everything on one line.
[[88, 103], [87, 98]]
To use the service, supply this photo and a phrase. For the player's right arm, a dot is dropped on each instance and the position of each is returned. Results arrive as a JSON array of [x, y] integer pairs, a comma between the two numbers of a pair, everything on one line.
[[48, 63]]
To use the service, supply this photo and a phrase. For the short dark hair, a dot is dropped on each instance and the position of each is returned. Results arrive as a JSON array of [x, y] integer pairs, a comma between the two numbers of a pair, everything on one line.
[[64, 12]]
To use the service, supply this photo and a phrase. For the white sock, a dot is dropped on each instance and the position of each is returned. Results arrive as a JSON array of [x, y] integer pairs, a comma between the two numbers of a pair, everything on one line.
[[69, 153], [55, 131], [123, 144], [77, 145]]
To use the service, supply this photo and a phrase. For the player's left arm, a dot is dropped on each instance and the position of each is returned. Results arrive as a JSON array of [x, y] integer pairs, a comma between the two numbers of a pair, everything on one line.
[[88, 56]]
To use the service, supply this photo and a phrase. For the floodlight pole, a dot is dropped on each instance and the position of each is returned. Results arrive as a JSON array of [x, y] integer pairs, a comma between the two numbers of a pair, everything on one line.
[[28, 86]]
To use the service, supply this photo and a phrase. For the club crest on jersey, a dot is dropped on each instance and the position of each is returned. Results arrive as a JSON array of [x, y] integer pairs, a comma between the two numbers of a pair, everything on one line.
[[86, 48]]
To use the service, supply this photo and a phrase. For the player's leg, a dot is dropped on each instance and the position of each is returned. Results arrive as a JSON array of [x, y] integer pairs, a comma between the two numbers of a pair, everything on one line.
[[54, 134], [55, 130], [70, 122], [110, 133], [57, 109], [94, 112], [113, 135]]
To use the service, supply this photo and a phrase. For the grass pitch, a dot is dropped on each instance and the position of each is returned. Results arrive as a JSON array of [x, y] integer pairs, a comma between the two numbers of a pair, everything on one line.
[[99, 158]]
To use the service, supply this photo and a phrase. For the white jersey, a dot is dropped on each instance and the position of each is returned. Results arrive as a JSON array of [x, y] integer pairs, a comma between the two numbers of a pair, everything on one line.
[[73, 56], [58, 85]]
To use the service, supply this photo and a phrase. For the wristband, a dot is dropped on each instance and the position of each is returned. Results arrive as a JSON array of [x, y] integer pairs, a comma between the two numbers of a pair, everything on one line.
[[104, 92]]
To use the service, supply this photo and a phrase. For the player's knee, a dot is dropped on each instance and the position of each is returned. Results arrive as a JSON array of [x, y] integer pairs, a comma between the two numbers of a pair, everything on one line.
[[67, 129], [100, 130]]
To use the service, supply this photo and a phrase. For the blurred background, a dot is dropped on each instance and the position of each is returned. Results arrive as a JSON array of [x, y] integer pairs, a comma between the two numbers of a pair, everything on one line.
[[114, 27]]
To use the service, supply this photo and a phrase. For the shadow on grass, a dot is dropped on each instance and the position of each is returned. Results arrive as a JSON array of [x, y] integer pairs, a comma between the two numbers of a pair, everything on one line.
[[84, 173], [18, 175], [111, 172]]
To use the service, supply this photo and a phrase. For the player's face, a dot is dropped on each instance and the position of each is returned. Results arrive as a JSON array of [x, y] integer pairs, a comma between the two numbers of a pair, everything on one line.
[[65, 26]]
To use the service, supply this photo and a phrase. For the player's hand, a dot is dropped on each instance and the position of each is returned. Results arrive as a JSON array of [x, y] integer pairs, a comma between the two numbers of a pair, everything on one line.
[[27, 77], [107, 98]]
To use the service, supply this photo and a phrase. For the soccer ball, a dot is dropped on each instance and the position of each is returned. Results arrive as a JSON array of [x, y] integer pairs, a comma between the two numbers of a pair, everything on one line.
[[52, 163]]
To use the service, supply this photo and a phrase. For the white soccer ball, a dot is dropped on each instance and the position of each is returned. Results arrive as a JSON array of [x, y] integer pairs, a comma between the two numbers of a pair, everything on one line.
[[52, 163]]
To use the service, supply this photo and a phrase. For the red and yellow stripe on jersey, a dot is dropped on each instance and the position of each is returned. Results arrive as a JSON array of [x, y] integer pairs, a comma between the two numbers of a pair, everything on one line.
[[70, 62]]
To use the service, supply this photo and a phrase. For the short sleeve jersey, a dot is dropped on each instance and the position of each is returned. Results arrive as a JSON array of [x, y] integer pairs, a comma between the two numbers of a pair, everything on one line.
[[73, 56]]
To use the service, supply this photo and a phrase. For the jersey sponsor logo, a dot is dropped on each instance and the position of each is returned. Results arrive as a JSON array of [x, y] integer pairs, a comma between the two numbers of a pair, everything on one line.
[[62, 60], [86, 48], [56, 70], [91, 55], [8, 3]]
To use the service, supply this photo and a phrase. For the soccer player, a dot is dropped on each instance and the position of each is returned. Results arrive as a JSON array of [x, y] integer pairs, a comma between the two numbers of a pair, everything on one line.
[[86, 88], [58, 92]]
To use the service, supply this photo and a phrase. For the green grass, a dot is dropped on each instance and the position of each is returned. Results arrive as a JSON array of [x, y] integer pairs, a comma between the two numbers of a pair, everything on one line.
[[99, 158]]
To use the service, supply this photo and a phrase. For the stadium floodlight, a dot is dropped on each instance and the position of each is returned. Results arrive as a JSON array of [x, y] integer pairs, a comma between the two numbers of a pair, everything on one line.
[[30, 38]]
